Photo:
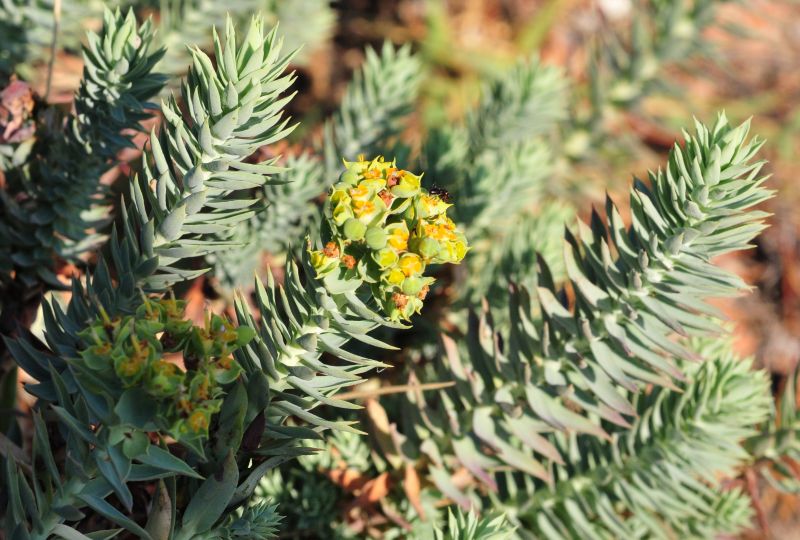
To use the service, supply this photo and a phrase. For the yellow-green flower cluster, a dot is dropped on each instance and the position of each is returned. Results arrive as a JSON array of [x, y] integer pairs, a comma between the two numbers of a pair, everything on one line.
[[385, 230], [146, 350]]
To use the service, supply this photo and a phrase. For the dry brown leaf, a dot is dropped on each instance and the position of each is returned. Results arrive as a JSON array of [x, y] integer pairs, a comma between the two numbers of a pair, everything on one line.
[[16, 112], [349, 480], [375, 490], [411, 485], [382, 431]]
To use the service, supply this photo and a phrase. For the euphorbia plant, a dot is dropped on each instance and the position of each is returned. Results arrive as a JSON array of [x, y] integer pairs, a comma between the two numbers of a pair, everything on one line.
[[566, 399], [385, 229], [145, 397]]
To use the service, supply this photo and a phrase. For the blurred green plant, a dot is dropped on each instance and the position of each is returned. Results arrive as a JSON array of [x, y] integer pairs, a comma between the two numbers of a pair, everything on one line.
[[54, 206], [36, 30], [30, 26]]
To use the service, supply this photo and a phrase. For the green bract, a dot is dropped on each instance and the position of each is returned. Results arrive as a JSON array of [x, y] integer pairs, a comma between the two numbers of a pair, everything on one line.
[[141, 354], [385, 230]]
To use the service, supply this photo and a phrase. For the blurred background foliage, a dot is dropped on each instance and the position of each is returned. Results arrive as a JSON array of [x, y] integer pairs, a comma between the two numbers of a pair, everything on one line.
[[622, 112]]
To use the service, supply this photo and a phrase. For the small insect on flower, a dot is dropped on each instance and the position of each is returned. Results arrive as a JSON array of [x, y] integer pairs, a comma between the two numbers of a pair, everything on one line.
[[440, 192]]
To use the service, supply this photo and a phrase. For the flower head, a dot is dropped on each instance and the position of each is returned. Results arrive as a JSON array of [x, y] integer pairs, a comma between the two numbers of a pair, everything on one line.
[[382, 216], [142, 351]]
